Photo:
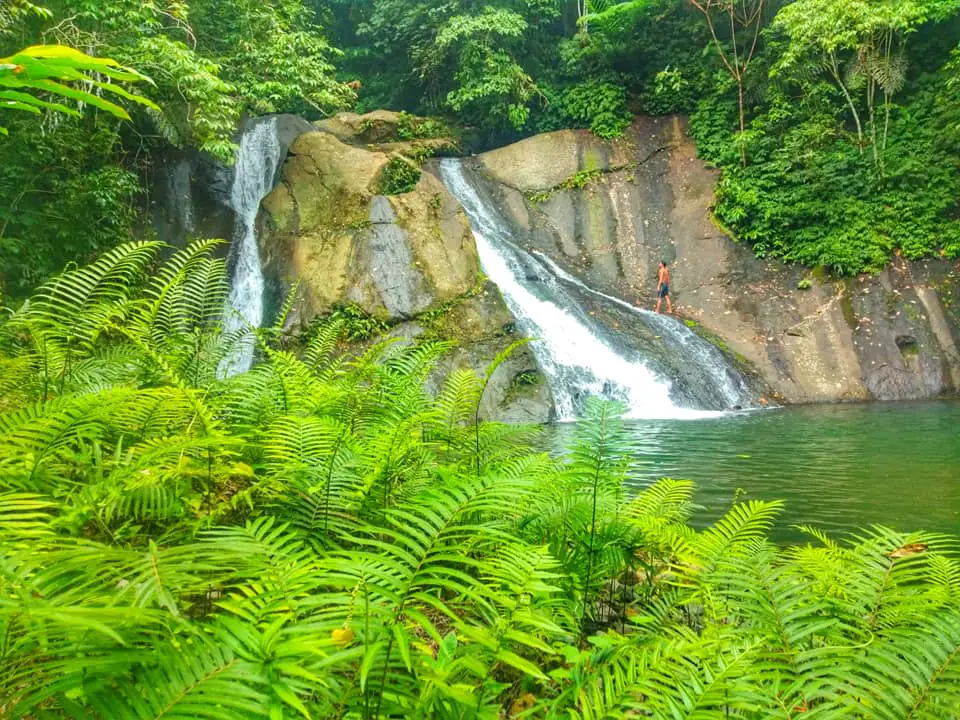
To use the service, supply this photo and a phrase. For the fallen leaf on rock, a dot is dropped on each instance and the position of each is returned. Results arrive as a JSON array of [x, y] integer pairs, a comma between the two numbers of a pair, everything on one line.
[[907, 550]]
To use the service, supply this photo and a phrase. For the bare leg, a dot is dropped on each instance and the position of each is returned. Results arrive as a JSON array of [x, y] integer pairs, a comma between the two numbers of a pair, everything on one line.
[[669, 305], [659, 300]]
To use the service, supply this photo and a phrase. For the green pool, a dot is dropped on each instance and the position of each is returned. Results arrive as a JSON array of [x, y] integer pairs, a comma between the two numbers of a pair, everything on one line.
[[839, 467]]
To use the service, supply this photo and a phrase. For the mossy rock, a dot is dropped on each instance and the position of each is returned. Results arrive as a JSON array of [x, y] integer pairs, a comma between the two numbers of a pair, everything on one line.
[[382, 127], [364, 227], [398, 176]]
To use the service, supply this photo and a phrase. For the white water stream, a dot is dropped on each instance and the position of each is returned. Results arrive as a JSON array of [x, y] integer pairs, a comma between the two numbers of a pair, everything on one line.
[[256, 168], [730, 385]]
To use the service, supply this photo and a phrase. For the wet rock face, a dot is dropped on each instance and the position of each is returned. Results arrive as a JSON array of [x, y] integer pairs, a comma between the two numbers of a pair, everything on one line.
[[609, 212], [401, 286], [327, 225], [189, 198], [190, 194]]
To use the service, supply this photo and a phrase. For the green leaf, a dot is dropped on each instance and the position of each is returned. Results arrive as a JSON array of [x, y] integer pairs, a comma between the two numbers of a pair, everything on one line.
[[402, 643], [521, 664], [80, 96], [26, 98], [369, 659]]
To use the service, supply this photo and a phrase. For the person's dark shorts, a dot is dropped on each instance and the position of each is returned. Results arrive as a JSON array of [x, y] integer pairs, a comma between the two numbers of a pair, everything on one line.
[[664, 291]]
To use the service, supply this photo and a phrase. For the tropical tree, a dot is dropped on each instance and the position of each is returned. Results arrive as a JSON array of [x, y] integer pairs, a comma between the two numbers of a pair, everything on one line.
[[734, 29], [861, 45], [13, 12], [208, 63], [211, 61], [457, 57], [745, 17]]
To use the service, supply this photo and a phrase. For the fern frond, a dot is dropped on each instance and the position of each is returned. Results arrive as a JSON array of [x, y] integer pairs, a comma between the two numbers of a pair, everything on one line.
[[929, 659], [739, 531], [184, 289], [81, 302], [24, 514], [323, 344], [289, 301], [206, 679], [666, 501]]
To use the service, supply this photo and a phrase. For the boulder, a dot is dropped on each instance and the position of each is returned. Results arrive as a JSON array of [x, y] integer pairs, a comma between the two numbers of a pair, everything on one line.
[[408, 259], [327, 224], [379, 126]]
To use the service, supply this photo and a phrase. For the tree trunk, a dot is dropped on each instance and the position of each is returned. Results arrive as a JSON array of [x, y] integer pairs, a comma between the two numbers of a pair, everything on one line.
[[886, 123], [743, 147], [871, 109], [846, 94]]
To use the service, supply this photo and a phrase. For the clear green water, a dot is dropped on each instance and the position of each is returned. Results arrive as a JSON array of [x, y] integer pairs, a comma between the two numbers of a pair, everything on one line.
[[836, 467]]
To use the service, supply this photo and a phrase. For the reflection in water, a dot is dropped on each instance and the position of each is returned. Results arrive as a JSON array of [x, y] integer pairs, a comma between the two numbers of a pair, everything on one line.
[[836, 467]]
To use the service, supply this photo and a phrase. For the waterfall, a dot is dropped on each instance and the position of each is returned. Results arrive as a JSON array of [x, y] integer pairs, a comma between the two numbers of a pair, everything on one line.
[[574, 350], [254, 177], [729, 384]]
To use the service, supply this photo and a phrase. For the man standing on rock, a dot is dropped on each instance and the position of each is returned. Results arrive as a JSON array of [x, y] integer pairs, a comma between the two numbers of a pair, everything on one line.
[[663, 287]]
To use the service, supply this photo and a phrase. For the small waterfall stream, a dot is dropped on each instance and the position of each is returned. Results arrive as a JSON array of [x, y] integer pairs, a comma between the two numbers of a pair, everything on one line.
[[572, 347], [254, 175]]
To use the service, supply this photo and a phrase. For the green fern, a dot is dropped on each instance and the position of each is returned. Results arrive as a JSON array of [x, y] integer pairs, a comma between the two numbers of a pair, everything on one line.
[[323, 537]]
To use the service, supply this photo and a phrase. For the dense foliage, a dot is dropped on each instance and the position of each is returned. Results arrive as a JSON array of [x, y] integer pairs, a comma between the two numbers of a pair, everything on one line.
[[836, 123], [848, 155], [95, 209], [210, 63], [319, 538]]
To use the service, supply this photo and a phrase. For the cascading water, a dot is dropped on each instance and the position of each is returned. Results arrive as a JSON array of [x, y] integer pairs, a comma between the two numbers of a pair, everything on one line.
[[570, 345], [730, 386], [255, 172]]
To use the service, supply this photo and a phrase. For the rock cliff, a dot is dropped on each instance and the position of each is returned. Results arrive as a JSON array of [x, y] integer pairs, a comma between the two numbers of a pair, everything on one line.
[[609, 212], [606, 213]]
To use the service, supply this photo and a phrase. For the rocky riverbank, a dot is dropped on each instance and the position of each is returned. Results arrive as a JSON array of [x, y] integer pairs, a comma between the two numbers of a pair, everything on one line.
[[605, 212]]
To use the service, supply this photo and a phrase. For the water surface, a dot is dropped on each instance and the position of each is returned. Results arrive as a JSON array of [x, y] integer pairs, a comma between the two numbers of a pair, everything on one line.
[[838, 467]]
